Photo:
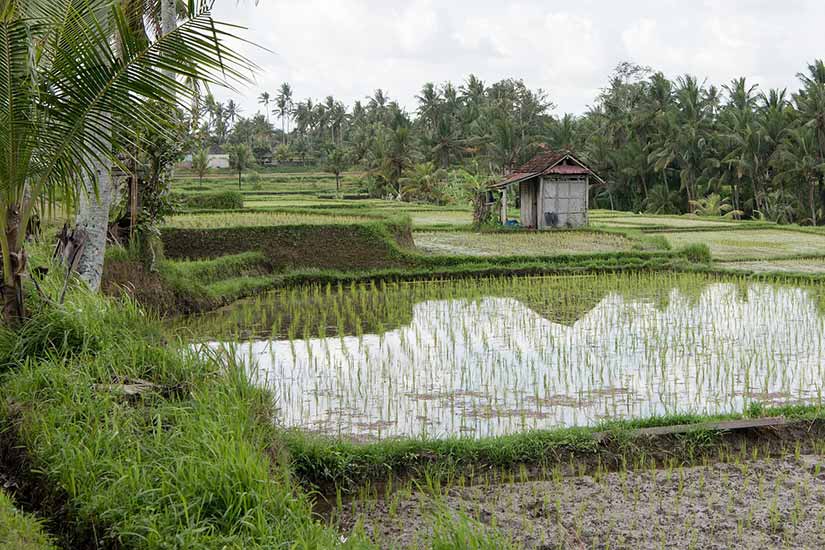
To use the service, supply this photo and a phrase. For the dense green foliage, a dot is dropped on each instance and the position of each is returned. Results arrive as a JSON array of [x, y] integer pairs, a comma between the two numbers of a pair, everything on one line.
[[664, 146]]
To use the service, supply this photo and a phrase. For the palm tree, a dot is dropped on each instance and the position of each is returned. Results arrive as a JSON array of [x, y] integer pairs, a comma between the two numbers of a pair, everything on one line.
[[283, 105], [810, 101], [232, 111], [398, 156], [687, 143], [336, 161], [715, 205], [423, 182], [53, 131], [429, 104], [200, 164], [264, 100], [240, 158], [799, 158]]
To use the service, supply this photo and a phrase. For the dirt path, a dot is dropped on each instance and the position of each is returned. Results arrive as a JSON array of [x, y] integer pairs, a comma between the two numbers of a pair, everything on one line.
[[755, 504]]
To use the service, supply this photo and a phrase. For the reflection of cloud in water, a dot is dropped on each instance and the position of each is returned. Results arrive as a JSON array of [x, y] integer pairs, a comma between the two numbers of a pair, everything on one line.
[[493, 366]]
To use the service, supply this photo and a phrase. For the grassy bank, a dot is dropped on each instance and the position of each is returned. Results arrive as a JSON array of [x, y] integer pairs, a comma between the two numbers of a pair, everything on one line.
[[337, 466], [182, 287], [144, 444]]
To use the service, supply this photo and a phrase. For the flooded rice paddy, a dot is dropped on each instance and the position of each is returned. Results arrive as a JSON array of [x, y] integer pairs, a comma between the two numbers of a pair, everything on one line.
[[499, 356]]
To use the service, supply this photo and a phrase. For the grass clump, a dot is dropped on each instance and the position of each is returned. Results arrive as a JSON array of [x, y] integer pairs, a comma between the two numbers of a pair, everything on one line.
[[19, 531], [185, 464]]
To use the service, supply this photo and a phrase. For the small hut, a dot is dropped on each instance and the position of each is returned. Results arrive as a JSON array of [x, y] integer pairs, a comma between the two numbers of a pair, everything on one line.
[[553, 190]]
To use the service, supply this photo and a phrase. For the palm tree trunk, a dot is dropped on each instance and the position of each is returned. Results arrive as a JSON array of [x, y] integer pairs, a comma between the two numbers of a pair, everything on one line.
[[93, 217], [14, 263], [644, 183], [736, 197], [168, 16]]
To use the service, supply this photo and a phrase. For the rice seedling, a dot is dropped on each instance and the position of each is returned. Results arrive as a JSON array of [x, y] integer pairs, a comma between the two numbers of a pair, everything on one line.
[[478, 358]]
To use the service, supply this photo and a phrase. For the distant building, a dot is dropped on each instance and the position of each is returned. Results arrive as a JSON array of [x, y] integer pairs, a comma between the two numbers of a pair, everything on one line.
[[216, 158], [553, 191]]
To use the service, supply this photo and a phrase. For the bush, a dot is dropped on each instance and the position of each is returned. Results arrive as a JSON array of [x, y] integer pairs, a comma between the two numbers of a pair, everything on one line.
[[218, 200], [697, 253]]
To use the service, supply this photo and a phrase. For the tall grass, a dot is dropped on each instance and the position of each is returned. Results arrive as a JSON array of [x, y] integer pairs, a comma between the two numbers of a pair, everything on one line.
[[19, 531], [187, 464]]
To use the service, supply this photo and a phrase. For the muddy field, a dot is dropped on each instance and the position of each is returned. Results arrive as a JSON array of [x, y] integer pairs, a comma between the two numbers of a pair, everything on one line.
[[753, 504]]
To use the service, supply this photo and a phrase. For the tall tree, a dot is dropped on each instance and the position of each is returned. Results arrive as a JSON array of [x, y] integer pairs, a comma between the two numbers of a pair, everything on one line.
[[54, 132], [283, 104], [240, 158], [264, 99]]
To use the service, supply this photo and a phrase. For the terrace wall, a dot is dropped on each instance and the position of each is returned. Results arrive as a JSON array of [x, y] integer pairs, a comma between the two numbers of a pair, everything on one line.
[[334, 246]]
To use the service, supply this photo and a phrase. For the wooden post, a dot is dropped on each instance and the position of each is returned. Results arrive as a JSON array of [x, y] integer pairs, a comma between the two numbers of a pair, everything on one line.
[[504, 206], [133, 202]]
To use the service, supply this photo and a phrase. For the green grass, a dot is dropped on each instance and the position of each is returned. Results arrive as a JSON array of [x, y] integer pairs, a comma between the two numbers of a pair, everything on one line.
[[755, 244], [440, 217], [801, 265], [662, 221], [312, 181], [189, 464], [255, 219], [342, 465], [19, 531], [544, 243]]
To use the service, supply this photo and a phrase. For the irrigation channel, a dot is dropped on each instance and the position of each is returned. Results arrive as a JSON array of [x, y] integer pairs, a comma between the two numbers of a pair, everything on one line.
[[488, 357]]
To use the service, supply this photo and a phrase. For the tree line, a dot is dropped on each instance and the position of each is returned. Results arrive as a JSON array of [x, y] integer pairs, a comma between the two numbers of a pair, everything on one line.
[[663, 145]]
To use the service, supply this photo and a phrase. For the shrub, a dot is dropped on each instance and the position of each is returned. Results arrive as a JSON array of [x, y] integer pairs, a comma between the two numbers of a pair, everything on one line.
[[697, 253]]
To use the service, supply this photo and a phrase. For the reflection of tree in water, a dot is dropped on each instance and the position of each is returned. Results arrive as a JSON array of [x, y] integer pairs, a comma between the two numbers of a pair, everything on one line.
[[315, 312]]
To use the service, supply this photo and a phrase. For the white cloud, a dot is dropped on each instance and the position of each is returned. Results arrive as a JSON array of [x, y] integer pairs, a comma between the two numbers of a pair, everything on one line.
[[348, 48]]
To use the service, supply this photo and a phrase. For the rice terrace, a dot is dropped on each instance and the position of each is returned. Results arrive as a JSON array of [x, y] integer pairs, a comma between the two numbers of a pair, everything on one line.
[[251, 299]]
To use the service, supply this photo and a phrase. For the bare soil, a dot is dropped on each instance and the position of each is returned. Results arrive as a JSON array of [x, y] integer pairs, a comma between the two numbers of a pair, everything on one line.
[[751, 504]]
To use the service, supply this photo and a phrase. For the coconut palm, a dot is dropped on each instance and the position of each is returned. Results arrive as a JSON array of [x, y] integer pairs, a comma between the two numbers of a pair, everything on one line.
[[65, 90], [799, 158], [233, 111], [424, 182], [264, 100], [240, 158], [283, 107], [200, 164], [715, 205], [335, 162]]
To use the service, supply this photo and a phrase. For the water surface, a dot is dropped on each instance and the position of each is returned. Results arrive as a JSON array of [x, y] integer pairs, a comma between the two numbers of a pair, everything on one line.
[[508, 355]]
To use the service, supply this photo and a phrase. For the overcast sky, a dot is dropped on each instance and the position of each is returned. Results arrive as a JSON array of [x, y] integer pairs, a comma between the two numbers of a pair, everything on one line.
[[348, 48]]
